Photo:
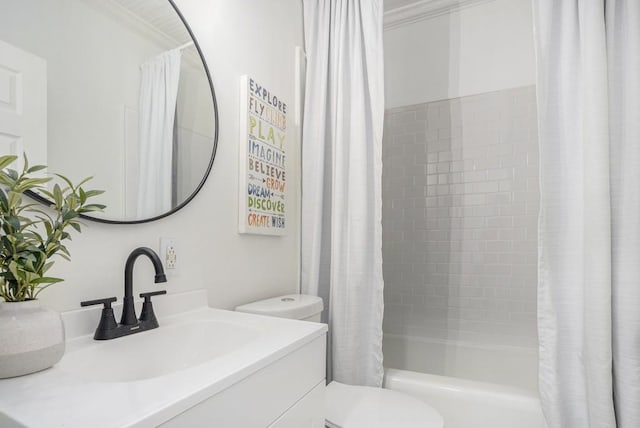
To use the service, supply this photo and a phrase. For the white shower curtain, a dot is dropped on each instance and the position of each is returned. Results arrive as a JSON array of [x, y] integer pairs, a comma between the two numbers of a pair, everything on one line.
[[588, 56], [341, 181], [157, 109]]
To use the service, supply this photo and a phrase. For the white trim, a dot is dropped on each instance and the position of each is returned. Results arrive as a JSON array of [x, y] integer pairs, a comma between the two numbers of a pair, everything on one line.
[[134, 22], [145, 29], [300, 87], [425, 9]]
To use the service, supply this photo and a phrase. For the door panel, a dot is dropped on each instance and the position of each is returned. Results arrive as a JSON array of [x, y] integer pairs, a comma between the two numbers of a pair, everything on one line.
[[23, 104]]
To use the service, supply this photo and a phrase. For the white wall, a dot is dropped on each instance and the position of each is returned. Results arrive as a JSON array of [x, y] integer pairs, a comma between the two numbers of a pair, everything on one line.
[[237, 37], [479, 49]]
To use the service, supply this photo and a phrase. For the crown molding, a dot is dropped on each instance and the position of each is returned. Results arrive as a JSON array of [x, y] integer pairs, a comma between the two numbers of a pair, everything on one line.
[[143, 28], [425, 9]]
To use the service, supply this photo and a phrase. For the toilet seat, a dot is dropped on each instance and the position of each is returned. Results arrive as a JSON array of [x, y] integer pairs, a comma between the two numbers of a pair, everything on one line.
[[350, 406]]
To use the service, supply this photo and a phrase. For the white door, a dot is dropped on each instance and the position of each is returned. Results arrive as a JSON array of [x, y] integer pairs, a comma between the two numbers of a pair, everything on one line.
[[23, 104]]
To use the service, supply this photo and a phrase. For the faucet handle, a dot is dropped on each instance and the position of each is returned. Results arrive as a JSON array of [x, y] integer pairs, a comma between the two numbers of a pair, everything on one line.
[[147, 315], [107, 323], [147, 296], [106, 302]]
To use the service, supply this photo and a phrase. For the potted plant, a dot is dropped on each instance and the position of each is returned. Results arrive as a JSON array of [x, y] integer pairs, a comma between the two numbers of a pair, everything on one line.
[[31, 336]]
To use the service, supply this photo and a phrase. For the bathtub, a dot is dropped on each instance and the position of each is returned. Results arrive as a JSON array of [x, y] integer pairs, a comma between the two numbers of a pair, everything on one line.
[[504, 365], [470, 404], [471, 385]]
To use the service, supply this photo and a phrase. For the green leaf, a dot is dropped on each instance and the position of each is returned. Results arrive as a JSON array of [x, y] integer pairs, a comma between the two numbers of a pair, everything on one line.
[[13, 268], [92, 193], [84, 181], [6, 180], [46, 267], [14, 222], [31, 183], [66, 180], [15, 199], [64, 250], [12, 174], [69, 215], [47, 193], [7, 160], [46, 280], [57, 195], [83, 195], [72, 201], [93, 207], [26, 162], [48, 227], [28, 265], [45, 219], [4, 202], [36, 168]]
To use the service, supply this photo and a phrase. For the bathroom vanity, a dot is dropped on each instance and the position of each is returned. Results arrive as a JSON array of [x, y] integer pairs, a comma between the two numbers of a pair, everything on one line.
[[201, 367]]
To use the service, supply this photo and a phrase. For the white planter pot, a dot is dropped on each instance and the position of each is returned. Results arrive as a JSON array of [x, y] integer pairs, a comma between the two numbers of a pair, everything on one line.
[[31, 338]]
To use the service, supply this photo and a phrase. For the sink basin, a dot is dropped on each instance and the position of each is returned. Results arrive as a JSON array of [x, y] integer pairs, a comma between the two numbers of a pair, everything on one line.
[[156, 352], [200, 363]]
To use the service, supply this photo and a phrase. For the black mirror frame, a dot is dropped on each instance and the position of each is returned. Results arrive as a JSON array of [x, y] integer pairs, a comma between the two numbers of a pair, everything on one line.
[[47, 202]]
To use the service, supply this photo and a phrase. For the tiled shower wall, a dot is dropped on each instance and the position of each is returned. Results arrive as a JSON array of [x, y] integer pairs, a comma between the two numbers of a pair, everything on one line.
[[460, 202]]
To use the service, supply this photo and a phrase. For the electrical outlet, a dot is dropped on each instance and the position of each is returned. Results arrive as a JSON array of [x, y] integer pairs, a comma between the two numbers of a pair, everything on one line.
[[169, 253], [171, 257]]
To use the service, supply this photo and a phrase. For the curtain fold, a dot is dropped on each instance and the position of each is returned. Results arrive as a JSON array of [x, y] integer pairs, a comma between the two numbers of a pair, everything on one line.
[[159, 81], [589, 224], [623, 42], [341, 181]]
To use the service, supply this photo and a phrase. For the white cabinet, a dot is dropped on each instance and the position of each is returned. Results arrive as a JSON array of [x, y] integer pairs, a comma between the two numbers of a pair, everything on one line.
[[308, 412], [203, 367], [288, 393]]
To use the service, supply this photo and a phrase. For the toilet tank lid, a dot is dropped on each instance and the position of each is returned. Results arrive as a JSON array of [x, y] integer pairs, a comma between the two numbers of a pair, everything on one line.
[[294, 306]]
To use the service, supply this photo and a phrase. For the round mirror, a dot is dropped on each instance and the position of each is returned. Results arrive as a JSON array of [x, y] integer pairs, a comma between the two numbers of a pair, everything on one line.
[[113, 89]]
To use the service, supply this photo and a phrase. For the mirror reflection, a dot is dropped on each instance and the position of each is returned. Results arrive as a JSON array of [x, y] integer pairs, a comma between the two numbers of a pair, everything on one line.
[[113, 89]]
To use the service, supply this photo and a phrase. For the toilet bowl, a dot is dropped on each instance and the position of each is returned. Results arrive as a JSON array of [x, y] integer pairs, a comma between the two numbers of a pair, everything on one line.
[[350, 406]]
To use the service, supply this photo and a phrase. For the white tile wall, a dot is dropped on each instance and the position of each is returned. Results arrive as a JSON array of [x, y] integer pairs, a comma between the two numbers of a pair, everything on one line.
[[460, 202]]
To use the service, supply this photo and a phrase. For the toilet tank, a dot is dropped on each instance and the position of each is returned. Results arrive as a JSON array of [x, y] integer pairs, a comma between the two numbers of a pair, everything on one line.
[[295, 306]]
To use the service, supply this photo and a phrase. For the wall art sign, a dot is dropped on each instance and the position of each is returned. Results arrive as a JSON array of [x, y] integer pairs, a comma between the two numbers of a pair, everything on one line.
[[263, 147]]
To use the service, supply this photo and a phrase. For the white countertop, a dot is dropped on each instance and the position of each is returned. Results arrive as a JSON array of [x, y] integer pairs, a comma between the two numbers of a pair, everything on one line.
[[59, 397]]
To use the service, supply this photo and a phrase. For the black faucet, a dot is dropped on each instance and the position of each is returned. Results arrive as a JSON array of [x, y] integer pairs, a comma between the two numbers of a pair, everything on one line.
[[108, 328], [128, 310]]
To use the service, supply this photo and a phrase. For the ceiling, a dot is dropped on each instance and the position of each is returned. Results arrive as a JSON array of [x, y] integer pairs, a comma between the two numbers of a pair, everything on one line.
[[158, 14], [153, 18]]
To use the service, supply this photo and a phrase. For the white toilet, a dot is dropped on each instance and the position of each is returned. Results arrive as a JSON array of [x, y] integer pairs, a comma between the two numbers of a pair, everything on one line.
[[350, 406]]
